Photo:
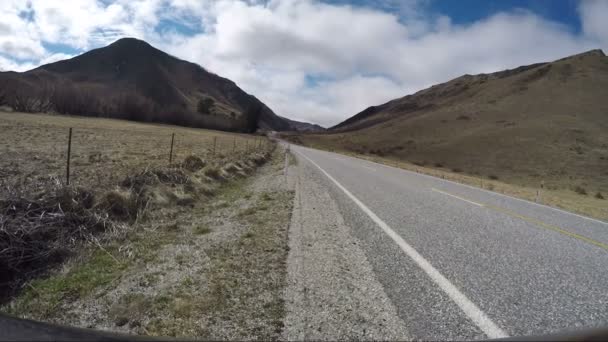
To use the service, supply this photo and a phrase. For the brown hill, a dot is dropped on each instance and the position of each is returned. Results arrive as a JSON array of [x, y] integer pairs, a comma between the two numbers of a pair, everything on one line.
[[132, 80], [547, 121]]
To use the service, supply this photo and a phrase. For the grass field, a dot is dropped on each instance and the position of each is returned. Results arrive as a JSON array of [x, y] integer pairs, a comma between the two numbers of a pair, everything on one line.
[[33, 148], [560, 194]]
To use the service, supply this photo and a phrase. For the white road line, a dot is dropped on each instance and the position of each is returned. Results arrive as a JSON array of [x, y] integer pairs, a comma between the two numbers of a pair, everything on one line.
[[466, 305], [460, 198], [477, 188]]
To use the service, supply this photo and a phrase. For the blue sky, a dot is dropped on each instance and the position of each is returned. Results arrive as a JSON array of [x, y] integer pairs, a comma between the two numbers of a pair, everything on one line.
[[467, 11], [313, 60]]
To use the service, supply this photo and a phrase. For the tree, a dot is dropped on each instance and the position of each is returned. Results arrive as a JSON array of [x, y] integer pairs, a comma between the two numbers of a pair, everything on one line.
[[205, 105], [3, 93]]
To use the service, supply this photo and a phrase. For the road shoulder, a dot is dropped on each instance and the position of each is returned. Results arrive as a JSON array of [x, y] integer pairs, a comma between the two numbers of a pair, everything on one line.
[[331, 292]]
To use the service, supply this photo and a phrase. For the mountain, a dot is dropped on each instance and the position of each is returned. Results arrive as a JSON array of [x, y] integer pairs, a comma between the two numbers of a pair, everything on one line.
[[299, 126], [130, 79], [542, 122]]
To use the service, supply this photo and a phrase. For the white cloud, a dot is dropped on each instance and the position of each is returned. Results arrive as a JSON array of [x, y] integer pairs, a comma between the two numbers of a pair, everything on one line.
[[594, 16], [306, 59]]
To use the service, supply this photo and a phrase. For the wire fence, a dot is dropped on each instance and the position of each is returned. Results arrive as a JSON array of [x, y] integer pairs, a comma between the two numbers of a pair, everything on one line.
[[32, 155]]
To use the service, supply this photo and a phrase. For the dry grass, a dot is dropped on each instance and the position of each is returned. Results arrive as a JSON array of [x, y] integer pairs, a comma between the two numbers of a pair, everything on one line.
[[119, 171], [104, 151]]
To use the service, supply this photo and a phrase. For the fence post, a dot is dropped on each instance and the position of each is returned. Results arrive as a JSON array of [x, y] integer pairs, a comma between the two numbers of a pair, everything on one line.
[[538, 192], [214, 142], [69, 156], [233, 145], [171, 151]]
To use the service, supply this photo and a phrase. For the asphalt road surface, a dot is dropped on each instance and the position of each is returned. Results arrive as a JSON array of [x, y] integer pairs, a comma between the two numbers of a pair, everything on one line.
[[459, 262]]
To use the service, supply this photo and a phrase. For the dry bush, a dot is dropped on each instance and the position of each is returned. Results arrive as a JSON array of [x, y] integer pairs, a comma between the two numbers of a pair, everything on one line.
[[193, 163], [212, 172], [23, 99], [258, 159], [150, 177], [38, 231], [119, 204], [580, 190], [232, 168], [3, 94], [69, 99]]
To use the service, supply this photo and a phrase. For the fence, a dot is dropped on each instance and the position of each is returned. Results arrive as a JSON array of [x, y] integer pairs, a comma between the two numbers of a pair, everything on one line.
[[88, 156]]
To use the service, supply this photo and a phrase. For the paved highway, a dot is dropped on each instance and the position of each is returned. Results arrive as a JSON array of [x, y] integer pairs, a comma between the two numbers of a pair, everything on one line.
[[459, 262]]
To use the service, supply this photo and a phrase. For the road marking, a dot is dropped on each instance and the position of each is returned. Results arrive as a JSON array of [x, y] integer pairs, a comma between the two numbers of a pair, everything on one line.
[[531, 220], [460, 198], [549, 226], [367, 167], [466, 305], [468, 186]]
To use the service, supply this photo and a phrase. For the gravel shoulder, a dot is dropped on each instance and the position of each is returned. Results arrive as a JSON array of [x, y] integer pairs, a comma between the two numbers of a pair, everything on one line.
[[332, 292]]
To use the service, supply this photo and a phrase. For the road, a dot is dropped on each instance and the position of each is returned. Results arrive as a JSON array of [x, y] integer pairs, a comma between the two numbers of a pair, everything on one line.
[[459, 262]]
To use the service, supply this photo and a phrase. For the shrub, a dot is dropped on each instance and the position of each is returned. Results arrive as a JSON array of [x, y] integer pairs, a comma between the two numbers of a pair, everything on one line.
[[118, 204], [463, 117], [599, 195], [456, 169], [493, 177], [212, 172], [438, 165], [232, 168], [37, 233], [205, 105], [193, 163], [202, 230], [580, 190]]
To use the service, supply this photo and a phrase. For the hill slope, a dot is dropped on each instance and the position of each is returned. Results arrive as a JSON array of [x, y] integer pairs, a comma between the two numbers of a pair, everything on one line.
[[133, 80], [547, 121]]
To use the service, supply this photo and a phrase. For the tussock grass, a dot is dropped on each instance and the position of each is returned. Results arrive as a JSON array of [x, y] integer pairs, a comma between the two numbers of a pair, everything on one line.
[[580, 190], [194, 163], [201, 230], [212, 171], [40, 231]]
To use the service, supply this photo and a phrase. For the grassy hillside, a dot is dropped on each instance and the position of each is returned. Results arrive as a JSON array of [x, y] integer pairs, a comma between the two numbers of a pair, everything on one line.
[[547, 122]]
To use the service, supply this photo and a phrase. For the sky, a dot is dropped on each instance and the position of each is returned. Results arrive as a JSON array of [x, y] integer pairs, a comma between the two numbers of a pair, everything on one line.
[[319, 61]]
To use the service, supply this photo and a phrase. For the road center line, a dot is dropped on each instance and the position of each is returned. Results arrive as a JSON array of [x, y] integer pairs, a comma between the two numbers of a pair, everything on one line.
[[549, 227], [460, 198], [531, 220], [471, 310], [369, 168]]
